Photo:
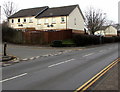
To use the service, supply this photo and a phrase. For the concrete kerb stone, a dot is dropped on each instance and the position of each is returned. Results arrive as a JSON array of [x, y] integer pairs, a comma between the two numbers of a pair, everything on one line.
[[17, 60]]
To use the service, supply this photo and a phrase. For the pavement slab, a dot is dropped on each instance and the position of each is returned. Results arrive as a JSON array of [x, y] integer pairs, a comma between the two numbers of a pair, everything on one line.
[[108, 82]]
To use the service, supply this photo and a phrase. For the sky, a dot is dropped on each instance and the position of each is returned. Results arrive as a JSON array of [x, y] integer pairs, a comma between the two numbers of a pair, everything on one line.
[[110, 7], [119, 13]]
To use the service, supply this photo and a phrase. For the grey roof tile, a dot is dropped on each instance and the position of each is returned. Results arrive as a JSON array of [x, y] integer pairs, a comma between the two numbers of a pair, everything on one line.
[[28, 12], [57, 11]]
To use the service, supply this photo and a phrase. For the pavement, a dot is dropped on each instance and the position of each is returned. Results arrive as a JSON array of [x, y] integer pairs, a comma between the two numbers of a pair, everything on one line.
[[110, 81], [67, 71]]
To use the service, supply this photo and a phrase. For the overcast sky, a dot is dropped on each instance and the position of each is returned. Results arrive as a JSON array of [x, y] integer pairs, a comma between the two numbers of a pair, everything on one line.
[[110, 7]]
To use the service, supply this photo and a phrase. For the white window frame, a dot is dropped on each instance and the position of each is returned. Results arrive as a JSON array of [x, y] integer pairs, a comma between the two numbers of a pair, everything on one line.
[[53, 20], [74, 21], [19, 21], [12, 21], [24, 19], [46, 21], [30, 20], [62, 18], [39, 21]]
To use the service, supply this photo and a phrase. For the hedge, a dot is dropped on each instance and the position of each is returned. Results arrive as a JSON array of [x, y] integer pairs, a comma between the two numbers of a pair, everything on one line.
[[11, 35], [57, 43], [83, 40]]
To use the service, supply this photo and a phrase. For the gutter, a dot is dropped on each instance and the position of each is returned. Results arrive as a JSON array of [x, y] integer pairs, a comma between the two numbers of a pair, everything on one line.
[[66, 22]]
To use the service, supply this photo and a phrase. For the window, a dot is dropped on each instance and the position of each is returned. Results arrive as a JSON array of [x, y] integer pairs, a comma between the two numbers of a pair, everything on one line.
[[53, 20], [62, 19], [30, 20], [39, 21], [24, 20], [46, 21], [74, 21], [18, 20], [12, 21]]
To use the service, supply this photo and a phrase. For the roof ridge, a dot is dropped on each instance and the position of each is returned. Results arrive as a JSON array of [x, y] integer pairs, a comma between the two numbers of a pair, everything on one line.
[[58, 11], [34, 8], [64, 6], [42, 11]]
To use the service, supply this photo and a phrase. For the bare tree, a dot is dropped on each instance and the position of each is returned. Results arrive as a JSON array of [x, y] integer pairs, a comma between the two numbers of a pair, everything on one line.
[[9, 8], [94, 20], [110, 22]]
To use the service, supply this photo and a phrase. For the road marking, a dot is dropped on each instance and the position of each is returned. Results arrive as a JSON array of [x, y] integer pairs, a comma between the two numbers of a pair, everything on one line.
[[37, 56], [25, 59], [88, 54], [55, 54], [90, 82], [13, 77], [46, 55], [31, 58], [60, 63]]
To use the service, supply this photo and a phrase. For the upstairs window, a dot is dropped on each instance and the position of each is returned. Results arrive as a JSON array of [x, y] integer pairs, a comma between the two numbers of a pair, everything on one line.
[[30, 20], [53, 20], [74, 21], [18, 20], [46, 21], [39, 21], [24, 20], [12, 20], [62, 19]]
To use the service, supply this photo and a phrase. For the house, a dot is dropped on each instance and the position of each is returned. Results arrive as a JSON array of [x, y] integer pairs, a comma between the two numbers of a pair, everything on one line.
[[117, 26], [25, 18], [49, 19], [107, 31]]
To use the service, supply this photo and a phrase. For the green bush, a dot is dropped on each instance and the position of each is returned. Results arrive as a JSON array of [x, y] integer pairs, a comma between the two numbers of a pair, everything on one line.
[[57, 43], [68, 43]]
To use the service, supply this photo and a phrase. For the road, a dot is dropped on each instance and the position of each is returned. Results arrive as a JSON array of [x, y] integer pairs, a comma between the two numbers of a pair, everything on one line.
[[26, 52], [63, 72]]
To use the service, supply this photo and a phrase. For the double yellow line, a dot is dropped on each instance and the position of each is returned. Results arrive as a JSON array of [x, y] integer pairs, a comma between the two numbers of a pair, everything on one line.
[[86, 85]]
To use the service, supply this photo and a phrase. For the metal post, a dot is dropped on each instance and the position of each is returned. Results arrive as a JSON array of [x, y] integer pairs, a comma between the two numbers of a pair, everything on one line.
[[5, 46]]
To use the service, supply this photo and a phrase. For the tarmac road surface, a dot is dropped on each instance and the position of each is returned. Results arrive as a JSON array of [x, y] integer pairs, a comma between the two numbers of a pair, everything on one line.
[[63, 72]]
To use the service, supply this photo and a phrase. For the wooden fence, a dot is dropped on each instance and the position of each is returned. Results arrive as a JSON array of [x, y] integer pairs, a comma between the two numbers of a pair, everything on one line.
[[45, 37]]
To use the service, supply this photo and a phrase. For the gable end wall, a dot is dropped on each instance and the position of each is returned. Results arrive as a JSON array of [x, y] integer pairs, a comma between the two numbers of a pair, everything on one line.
[[79, 20]]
